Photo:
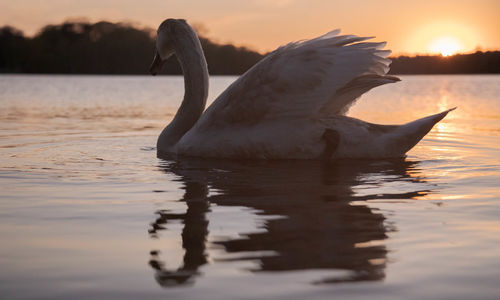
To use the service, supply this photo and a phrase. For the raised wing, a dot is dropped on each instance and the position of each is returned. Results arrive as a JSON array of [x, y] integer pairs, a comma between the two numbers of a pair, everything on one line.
[[311, 78]]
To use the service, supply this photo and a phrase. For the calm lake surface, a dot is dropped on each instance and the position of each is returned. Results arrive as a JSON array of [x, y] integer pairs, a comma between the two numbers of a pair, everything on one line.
[[87, 211]]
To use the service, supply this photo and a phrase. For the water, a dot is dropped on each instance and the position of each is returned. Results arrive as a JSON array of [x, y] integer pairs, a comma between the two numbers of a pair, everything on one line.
[[88, 211]]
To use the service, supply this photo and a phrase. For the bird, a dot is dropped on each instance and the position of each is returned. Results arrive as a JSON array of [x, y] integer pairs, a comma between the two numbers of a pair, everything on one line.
[[292, 104]]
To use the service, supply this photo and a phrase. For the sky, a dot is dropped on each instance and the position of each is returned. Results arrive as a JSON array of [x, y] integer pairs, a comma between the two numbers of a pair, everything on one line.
[[409, 27]]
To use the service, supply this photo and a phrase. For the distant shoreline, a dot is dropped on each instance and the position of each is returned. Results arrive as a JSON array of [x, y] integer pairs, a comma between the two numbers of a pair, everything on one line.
[[106, 48], [475, 63]]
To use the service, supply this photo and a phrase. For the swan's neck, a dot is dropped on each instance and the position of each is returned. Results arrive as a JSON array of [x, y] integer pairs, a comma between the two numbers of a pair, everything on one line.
[[190, 55]]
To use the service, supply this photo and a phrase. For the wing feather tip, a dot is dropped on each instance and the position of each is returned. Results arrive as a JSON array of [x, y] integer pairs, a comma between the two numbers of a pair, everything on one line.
[[392, 78]]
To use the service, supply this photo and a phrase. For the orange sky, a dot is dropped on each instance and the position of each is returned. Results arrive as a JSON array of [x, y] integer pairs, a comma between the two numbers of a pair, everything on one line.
[[409, 27]]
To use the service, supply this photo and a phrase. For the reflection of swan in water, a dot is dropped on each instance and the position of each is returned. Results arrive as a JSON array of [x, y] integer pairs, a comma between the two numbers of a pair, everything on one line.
[[193, 237], [320, 227], [291, 105]]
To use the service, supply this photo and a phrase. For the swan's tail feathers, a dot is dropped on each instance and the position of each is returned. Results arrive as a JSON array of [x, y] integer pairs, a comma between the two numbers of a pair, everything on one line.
[[344, 96], [408, 135]]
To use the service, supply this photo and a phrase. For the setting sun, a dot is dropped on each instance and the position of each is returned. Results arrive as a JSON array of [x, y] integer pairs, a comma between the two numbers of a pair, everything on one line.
[[446, 45]]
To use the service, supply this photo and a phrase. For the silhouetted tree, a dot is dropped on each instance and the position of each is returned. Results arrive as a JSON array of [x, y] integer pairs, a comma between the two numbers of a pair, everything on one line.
[[101, 48], [13, 50]]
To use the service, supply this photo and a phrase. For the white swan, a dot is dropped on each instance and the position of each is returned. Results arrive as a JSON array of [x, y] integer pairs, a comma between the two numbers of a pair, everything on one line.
[[290, 105]]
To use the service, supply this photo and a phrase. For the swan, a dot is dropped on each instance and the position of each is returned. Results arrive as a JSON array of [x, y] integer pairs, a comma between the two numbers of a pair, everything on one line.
[[290, 105]]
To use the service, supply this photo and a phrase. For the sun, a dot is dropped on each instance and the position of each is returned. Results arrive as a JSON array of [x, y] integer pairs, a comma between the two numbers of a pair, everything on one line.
[[446, 45]]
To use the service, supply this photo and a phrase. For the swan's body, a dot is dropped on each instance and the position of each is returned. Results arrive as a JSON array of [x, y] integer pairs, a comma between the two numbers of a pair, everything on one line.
[[290, 105]]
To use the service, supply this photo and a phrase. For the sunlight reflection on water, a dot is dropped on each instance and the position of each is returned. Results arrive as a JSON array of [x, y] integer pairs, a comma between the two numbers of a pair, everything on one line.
[[88, 211]]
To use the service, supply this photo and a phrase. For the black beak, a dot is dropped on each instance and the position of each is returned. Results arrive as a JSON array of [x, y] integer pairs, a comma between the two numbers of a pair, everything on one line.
[[156, 65]]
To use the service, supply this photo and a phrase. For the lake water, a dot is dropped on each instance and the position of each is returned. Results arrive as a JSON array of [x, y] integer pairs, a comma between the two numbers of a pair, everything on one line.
[[87, 211]]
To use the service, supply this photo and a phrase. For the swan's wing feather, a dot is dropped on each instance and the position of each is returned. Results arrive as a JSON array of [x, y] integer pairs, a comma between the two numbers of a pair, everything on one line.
[[318, 77]]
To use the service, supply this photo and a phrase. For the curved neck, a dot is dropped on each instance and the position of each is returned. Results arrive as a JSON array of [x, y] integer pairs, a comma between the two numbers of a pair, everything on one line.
[[188, 50]]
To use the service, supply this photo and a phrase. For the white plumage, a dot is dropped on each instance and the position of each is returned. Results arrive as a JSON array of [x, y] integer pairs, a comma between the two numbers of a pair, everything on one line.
[[290, 105]]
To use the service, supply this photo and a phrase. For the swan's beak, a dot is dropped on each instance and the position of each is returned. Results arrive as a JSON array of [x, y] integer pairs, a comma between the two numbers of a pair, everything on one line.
[[156, 65]]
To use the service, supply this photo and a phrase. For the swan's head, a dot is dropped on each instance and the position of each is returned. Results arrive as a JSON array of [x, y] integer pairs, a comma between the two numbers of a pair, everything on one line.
[[166, 36]]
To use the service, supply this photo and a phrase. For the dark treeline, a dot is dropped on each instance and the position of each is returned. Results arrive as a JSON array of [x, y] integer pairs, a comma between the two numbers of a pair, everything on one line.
[[117, 48], [104, 48], [475, 63]]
